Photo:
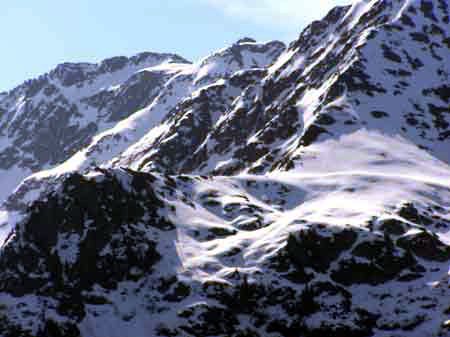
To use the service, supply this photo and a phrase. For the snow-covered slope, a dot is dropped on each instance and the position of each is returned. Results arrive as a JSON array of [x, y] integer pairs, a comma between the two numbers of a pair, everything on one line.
[[134, 113], [225, 74], [359, 68], [375, 65], [261, 191], [119, 252], [46, 120], [363, 67]]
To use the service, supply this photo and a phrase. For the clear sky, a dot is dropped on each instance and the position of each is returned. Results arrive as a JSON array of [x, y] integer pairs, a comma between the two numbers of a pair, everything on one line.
[[37, 35]]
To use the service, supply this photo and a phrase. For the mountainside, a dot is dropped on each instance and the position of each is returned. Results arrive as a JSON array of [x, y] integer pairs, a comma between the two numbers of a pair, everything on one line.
[[46, 120], [264, 190], [86, 110]]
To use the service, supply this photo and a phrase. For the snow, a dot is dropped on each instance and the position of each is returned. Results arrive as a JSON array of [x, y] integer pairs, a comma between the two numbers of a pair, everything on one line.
[[8, 221], [344, 180], [136, 133], [67, 247], [373, 152], [10, 179]]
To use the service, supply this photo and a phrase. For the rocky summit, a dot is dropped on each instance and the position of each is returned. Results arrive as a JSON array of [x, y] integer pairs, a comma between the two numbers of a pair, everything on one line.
[[265, 190]]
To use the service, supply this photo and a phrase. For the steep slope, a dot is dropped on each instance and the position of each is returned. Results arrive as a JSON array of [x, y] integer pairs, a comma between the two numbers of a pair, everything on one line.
[[389, 79], [45, 121], [377, 66], [223, 75], [147, 103], [323, 208]]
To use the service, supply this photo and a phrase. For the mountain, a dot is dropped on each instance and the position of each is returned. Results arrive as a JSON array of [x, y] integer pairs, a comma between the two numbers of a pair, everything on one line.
[[94, 108], [264, 190], [46, 120]]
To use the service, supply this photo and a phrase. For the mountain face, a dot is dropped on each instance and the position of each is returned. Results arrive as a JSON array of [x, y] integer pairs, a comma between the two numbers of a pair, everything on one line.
[[93, 107], [264, 190], [46, 120]]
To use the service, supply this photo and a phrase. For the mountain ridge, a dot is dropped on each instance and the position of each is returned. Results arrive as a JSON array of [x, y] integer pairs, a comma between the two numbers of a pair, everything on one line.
[[264, 190], [75, 114]]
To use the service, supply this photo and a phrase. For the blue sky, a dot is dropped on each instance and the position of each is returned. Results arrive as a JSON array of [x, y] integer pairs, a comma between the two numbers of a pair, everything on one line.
[[37, 35]]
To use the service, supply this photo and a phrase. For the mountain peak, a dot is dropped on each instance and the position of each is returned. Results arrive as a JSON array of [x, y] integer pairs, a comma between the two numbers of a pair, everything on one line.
[[246, 40], [73, 73], [242, 55]]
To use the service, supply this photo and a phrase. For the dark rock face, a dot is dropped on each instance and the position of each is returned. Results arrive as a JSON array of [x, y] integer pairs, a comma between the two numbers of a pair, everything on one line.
[[316, 251], [393, 227], [311, 249], [71, 73], [426, 246], [53, 140], [85, 235], [136, 93], [368, 259], [194, 124], [383, 262]]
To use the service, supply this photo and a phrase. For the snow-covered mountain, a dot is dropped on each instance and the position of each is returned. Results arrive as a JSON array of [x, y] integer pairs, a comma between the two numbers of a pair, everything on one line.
[[46, 120], [97, 108], [262, 191]]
